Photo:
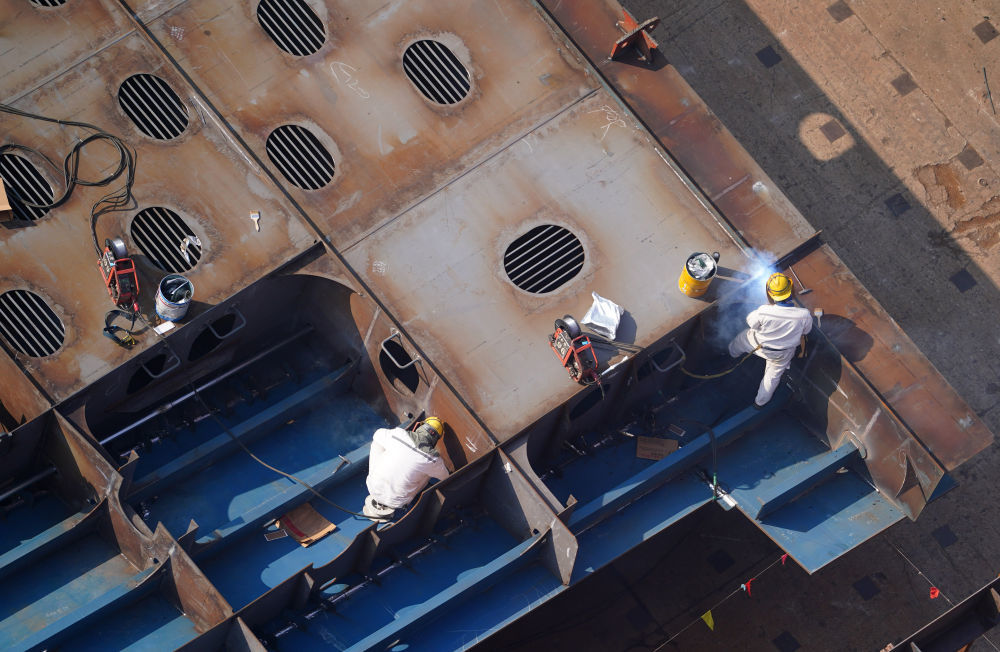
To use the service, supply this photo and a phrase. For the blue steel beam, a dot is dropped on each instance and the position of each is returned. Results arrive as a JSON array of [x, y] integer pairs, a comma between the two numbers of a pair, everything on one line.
[[802, 478], [669, 467]]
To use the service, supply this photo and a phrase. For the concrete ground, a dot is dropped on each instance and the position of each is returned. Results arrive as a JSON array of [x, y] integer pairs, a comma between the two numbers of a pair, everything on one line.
[[874, 118]]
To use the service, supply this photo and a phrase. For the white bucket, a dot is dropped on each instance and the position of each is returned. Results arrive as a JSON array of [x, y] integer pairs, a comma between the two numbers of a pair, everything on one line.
[[180, 290]]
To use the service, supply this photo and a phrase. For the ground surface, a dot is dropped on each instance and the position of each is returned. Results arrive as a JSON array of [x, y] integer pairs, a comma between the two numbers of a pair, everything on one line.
[[873, 117]]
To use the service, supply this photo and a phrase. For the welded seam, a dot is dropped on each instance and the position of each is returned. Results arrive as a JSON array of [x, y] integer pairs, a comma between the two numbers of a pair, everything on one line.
[[475, 167], [90, 55], [696, 190], [323, 238]]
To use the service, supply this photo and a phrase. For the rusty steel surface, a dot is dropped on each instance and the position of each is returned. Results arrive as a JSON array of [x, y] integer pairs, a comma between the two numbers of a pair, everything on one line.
[[585, 169], [689, 130], [890, 361], [390, 145], [72, 33], [202, 175], [767, 221], [20, 400]]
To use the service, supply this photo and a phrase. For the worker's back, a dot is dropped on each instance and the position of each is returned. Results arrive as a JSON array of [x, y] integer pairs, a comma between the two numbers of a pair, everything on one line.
[[779, 326], [398, 470]]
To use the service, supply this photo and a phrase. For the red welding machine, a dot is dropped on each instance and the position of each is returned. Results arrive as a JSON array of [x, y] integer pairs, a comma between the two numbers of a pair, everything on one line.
[[575, 351], [119, 276]]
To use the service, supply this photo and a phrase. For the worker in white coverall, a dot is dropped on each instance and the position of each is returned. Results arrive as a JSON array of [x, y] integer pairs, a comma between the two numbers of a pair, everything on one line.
[[400, 465], [776, 329]]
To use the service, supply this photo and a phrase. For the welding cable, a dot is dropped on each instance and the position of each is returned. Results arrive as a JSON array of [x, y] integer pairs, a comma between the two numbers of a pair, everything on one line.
[[119, 199], [218, 421], [721, 373], [111, 331], [616, 344], [630, 348]]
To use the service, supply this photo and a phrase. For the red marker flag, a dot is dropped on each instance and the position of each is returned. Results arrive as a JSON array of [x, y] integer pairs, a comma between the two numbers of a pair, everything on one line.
[[784, 558], [934, 592]]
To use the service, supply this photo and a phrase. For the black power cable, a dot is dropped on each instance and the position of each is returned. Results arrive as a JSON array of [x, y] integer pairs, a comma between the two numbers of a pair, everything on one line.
[[215, 417], [116, 200], [121, 199]]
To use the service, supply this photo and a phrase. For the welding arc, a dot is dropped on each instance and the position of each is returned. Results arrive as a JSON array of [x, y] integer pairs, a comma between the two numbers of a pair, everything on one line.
[[239, 443], [119, 199]]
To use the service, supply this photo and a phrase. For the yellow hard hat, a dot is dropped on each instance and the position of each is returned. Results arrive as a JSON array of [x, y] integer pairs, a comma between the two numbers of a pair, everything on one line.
[[435, 423], [779, 286]]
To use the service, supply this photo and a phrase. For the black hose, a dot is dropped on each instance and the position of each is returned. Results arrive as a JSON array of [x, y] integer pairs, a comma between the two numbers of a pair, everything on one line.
[[119, 199]]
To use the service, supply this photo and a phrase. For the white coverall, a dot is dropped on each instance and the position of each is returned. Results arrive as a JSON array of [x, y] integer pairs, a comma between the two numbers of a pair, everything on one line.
[[398, 470], [777, 329]]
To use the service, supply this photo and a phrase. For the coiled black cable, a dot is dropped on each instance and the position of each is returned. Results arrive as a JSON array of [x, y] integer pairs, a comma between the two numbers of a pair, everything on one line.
[[116, 200]]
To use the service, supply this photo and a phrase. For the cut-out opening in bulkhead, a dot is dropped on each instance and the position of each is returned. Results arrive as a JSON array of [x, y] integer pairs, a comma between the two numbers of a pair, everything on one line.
[[292, 25], [300, 157], [166, 239], [543, 259], [27, 190], [397, 367], [153, 107], [436, 72], [29, 325]]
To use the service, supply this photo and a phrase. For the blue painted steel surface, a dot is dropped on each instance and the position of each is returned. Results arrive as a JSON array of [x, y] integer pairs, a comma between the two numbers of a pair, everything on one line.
[[37, 545], [252, 565], [528, 588], [661, 471], [151, 623], [70, 587], [780, 462], [831, 519], [657, 495], [33, 522], [188, 451], [428, 584], [479, 578]]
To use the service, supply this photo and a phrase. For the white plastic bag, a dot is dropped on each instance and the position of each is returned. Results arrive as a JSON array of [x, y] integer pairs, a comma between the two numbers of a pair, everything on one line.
[[603, 316]]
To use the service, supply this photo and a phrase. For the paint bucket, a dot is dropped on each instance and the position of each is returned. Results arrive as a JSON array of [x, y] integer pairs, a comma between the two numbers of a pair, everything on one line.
[[173, 296], [698, 272]]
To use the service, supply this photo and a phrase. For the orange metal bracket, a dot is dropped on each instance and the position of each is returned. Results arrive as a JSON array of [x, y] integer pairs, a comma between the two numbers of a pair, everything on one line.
[[637, 36]]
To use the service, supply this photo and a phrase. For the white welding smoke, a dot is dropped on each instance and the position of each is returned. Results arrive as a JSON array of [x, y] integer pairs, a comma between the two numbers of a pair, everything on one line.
[[732, 310]]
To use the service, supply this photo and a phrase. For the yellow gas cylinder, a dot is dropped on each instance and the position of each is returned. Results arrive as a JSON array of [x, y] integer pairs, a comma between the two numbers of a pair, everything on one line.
[[698, 272]]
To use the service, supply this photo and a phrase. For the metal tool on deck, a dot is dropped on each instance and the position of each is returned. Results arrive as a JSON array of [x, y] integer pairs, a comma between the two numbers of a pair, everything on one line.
[[575, 351]]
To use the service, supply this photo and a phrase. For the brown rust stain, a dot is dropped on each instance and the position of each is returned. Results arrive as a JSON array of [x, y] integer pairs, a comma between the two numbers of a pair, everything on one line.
[[983, 229], [942, 185]]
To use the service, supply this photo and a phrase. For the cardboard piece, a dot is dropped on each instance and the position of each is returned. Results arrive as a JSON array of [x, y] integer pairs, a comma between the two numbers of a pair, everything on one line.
[[654, 448], [306, 525], [6, 213]]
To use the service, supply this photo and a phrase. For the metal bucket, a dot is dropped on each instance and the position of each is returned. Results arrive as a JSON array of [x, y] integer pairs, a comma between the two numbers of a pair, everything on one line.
[[173, 296], [697, 274]]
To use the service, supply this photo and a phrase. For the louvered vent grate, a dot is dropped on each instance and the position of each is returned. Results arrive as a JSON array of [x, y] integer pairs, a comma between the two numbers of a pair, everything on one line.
[[29, 325], [436, 72], [24, 185], [153, 106], [292, 25], [300, 157], [48, 3], [165, 238], [544, 258]]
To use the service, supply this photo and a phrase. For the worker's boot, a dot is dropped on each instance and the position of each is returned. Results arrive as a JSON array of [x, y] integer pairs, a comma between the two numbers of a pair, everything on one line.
[[377, 511]]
